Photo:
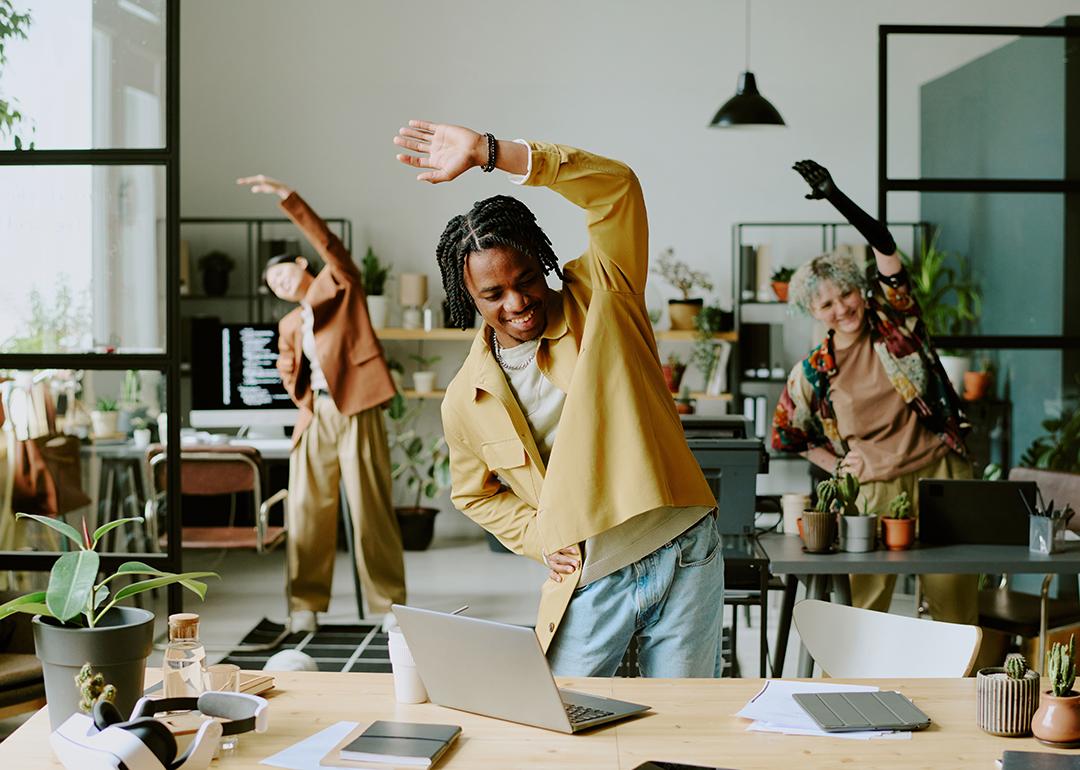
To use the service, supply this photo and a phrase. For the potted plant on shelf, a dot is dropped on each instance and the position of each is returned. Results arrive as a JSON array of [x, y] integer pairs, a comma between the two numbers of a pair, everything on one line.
[[1006, 697], [780, 279], [422, 463], [817, 526], [1057, 720], [673, 369], [684, 404], [79, 621], [899, 525], [948, 298], [130, 406], [858, 529], [710, 355], [682, 312], [215, 268], [977, 383], [424, 378], [140, 432], [105, 418], [374, 274]]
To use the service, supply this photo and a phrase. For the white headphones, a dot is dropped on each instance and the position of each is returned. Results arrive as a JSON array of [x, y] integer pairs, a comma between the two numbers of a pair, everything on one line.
[[108, 742]]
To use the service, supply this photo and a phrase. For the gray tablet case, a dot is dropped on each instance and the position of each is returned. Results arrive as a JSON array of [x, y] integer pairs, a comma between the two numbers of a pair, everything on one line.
[[841, 712]]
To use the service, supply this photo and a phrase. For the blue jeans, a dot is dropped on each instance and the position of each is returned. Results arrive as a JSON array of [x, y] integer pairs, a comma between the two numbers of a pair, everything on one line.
[[672, 600]]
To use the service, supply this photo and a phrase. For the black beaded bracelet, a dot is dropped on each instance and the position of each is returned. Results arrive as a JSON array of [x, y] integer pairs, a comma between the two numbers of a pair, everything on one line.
[[490, 165]]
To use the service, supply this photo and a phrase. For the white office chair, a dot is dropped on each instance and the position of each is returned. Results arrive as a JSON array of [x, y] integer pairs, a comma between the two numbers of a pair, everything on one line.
[[852, 642]]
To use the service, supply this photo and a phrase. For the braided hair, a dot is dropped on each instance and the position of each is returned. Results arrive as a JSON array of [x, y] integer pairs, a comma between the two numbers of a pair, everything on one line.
[[498, 221]]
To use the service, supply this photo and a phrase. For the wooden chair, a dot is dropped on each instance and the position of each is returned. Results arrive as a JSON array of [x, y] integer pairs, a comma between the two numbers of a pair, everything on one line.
[[1034, 615], [213, 470], [853, 642]]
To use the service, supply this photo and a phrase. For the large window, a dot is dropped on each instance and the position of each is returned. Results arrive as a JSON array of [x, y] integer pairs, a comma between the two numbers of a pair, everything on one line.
[[89, 218]]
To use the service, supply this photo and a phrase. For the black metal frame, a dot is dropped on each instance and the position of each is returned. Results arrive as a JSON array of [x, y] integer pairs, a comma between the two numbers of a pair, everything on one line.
[[167, 362], [887, 184]]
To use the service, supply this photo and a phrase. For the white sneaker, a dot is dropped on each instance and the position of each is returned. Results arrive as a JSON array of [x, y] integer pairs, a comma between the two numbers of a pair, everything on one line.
[[303, 621], [388, 622]]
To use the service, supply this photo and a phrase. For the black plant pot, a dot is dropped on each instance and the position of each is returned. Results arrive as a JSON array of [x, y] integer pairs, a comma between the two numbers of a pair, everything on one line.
[[417, 527], [215, 282], [117, 649]]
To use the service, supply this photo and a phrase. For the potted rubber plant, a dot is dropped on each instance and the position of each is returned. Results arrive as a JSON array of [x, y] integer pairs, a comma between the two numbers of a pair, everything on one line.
[[79, 621], [899, 531], [422, 464], [1006, 697], [1057, 720], [682, 311], [780, 279], [375, 273]]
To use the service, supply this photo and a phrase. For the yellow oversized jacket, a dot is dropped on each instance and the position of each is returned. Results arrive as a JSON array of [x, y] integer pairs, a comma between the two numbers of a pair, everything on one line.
[[620, 450]]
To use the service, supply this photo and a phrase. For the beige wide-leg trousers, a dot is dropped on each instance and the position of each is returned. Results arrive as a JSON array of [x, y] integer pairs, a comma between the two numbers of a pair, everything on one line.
[[952, 598], [352, 450]]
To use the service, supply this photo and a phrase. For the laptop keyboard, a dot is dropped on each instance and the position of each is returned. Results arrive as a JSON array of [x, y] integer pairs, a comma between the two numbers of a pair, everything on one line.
[[579, 714]]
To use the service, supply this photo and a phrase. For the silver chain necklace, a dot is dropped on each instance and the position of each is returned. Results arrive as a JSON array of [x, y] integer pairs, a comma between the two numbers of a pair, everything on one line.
[[498, 350]]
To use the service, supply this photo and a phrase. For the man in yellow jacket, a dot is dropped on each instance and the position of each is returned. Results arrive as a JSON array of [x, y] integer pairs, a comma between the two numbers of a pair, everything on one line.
[[564, 440]]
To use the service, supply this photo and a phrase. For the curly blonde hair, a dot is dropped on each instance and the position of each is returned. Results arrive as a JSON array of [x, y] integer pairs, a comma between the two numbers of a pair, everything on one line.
[[838, 269]]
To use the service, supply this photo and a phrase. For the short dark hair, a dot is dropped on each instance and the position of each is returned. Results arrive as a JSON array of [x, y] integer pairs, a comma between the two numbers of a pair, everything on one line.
[[498, 221], [282, 258]]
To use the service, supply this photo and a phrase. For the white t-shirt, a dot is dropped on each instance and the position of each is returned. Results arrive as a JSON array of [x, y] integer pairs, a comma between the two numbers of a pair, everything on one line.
[[318, 379]]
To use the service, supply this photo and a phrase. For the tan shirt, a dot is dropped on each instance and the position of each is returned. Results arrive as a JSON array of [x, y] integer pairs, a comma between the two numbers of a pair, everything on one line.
[[874, 420]]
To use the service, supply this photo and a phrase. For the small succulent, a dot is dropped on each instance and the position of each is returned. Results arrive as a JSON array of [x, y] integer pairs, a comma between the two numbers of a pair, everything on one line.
[[783, 274], [106, 405], [92, 688], [827, 495], [847, 494], [1016, 666], [900, 506], [1061, 667]]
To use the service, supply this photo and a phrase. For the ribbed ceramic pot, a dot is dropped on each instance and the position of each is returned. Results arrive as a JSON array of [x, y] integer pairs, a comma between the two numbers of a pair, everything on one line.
[[818, 531], [1005, 706]]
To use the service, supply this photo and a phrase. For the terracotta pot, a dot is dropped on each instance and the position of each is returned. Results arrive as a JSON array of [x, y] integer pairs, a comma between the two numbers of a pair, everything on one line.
[[798, 524], [899, 533], [673, 374], [1005, 706], [818, 531], [1058, 718], [976, 385], [684, 312], [780, 290], [684, 407]]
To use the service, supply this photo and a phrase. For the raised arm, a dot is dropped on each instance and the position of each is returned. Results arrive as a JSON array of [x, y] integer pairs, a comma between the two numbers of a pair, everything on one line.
[[607, 190], [877, 235], [326, 243]]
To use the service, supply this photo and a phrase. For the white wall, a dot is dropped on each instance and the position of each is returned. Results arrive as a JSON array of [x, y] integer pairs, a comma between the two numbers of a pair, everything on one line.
[[313, 92]]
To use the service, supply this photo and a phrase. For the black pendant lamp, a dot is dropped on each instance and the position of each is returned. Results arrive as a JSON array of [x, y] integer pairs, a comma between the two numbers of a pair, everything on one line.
[[747, 107]]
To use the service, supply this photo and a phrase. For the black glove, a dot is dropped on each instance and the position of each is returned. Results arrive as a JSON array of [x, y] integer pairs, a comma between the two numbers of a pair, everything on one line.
[[822, 186]]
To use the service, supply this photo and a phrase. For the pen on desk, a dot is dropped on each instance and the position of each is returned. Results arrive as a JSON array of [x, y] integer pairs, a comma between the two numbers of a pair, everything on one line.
[[460, 609]]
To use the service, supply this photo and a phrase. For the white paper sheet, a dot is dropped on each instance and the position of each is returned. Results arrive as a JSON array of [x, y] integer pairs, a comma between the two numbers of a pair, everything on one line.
[[306, 754], [774, 710]]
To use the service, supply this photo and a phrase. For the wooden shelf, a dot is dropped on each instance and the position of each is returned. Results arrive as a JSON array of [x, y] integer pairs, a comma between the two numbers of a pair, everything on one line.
[[441, 335], [689, 335], [703, 396], [433, 394]]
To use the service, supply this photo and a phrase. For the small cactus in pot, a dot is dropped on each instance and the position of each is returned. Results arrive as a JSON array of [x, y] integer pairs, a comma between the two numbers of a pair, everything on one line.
[[1006, 698], [1057, 722]]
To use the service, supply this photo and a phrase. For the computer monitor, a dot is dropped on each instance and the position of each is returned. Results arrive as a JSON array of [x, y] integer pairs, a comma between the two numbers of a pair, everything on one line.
[[234, 379]]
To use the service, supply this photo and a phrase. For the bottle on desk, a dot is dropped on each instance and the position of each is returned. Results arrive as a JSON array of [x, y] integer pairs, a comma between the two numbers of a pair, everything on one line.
[[184, 664]]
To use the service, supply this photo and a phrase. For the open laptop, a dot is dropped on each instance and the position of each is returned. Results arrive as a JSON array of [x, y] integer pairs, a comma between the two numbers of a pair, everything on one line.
[[973, 512], [498, 670]]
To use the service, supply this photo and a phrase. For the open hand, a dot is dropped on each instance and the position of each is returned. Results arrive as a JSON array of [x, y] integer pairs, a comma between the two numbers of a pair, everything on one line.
[[447, 151], [817, 177], [260, 183], [563, 562]]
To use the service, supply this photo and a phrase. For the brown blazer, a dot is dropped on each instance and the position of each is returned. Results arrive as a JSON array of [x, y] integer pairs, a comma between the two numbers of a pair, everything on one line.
[[349, 352]]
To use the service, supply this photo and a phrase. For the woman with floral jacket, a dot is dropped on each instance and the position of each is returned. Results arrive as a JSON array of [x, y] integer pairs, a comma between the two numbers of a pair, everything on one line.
[[872, 399]]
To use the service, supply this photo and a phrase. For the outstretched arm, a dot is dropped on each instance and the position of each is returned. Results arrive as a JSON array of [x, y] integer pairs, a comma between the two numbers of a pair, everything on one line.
[[447, 152], [822, 186]]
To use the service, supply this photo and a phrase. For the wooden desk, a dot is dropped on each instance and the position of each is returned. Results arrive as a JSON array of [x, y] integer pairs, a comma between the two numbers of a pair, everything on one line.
[[692, 722]]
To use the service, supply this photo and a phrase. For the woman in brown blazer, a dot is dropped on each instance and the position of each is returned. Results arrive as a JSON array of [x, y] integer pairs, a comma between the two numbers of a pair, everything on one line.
[[333, 367]]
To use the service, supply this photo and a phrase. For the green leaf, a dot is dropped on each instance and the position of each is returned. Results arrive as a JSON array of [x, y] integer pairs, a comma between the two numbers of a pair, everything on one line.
[[139, 568], [187, 579], [35, 599], [100, 531], [64, 529], [100, 595], [398, 407], [70, 584]]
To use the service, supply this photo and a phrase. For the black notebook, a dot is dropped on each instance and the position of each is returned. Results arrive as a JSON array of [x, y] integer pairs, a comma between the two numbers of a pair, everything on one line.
[[408, 744], [1038, 760]]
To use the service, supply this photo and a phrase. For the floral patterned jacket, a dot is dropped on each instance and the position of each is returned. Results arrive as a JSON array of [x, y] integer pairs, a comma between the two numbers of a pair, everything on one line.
[[804, 416]]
